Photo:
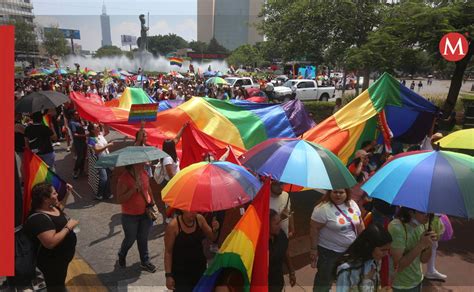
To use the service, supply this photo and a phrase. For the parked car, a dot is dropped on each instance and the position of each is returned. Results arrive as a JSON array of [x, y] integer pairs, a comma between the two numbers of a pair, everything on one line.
[[303, 89], [243, 82]]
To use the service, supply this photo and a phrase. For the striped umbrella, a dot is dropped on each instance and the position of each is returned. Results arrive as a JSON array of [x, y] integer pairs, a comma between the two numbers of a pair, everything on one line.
[[429, 181], [298, 162], [216, 80], [207, 187]]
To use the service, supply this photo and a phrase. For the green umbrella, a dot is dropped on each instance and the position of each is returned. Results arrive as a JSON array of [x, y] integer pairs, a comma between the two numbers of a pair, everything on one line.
[[216, 80], [130, 155]]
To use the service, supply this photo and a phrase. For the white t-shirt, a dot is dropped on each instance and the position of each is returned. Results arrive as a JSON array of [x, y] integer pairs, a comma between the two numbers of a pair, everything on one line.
[[278, 204], [338, 233], [99, 141], [174, 166]]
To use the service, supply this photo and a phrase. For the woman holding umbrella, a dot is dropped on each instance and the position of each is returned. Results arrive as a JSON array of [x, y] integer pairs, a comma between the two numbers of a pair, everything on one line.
[[185, 261], [134, 194], [411, 246], [200, 187]]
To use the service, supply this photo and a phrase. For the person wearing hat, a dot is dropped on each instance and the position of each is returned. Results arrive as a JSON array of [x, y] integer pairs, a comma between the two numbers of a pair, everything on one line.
[[358, 166]]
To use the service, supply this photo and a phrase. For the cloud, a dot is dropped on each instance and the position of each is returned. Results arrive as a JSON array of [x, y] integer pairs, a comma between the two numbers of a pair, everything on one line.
[[160, 27], [187, 28]]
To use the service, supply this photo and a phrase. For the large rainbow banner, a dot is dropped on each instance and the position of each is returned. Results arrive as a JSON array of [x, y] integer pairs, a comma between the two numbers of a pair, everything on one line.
[[387, 105], [242, 125]]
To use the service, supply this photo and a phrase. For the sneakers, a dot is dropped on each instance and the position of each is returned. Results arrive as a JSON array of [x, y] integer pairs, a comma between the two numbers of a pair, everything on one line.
[[99, 197], [435, 276], [68, 149], [75, 175], [56, 144], [149, 267], [121, 262]]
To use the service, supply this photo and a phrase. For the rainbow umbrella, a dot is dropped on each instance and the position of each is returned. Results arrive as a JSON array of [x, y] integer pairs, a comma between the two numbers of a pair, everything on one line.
[[36, 72], [114, 73], [298, 162], [210, 186], [431, 182], [462, 139], [216, 80]]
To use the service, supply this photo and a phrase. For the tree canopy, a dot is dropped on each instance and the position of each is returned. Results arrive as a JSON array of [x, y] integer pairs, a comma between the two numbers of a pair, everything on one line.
[[25, 37], [371, 36], [55, 43], [246, 55], [108, 51]]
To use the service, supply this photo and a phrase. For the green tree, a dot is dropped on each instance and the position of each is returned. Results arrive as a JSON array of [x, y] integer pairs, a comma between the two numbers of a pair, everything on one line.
[[245, 55], [420, 25], [108, 51], [198, 46], [321, 31], [269, 51], [165, 44], [55, 43], [25, 37], [215, 48]]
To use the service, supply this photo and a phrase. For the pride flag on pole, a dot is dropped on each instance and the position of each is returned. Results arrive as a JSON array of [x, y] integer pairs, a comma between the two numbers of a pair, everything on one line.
[[37, 171], [245, 249], [176, 61]]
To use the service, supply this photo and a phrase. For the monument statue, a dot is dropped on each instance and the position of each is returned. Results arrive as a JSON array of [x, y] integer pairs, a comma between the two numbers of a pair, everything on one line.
[[142, 46]]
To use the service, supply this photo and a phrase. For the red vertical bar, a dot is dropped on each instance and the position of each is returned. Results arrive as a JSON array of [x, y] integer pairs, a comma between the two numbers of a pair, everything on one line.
[[7, 250]]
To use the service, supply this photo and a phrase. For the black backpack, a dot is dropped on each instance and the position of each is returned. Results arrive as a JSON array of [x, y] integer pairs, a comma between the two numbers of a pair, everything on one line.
[[26, 251]]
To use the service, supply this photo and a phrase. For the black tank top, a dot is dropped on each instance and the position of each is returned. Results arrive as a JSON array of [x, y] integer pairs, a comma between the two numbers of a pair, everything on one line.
[[188, 253]]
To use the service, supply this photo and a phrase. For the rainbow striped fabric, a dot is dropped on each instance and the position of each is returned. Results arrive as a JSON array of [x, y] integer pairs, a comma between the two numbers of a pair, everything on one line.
[[117, 109], [37, 171], [385, 105], [47, 120], [243, 246], [241, 125], [176, 61]]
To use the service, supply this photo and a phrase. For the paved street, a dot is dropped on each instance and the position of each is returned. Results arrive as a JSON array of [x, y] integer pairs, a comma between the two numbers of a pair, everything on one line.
[[101, 234]]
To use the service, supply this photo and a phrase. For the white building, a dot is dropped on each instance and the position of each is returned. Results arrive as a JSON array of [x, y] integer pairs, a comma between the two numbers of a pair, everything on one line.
[[16, 8]]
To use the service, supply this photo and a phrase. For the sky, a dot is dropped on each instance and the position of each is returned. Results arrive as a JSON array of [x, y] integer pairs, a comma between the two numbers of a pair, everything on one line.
[[166, 16]]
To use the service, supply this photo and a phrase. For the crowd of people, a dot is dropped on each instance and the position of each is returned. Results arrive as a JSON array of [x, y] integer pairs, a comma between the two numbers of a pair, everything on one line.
[[345, 247]]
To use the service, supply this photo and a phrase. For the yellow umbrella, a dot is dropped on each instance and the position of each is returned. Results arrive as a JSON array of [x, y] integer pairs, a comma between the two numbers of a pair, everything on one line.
[[462, 139]]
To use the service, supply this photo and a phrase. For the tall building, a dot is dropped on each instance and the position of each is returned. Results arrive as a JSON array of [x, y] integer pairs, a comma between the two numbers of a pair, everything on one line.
[[16, 8], [231, 22], [105, 25]]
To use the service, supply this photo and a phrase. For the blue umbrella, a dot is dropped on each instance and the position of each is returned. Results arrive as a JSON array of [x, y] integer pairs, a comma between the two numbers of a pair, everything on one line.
[[429, 181], [298, 162]]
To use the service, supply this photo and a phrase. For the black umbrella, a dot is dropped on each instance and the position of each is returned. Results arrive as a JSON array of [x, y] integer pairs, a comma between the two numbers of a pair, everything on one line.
[[40, 100]]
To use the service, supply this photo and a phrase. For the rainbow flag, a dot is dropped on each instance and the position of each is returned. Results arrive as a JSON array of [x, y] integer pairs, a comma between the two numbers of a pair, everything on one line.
[[176, 61], [241, 125], [37, 171], [246, 248], [47, 120], [387, 105]]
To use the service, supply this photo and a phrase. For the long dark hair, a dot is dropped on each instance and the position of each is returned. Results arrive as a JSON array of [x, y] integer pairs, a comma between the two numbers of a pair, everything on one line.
[[170, 148], [405, 215], [361, 249], [39, 193]]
